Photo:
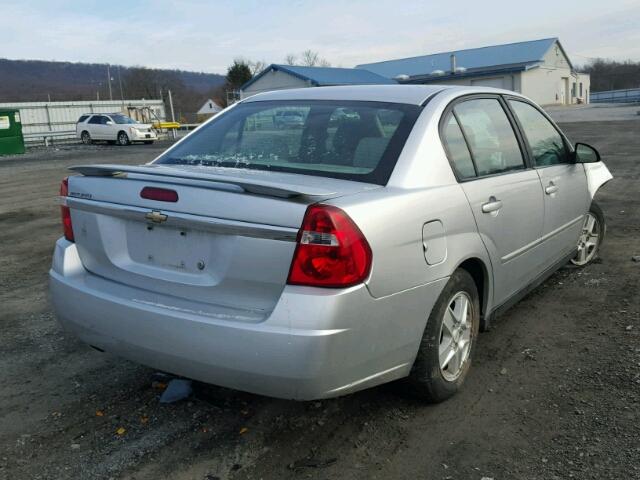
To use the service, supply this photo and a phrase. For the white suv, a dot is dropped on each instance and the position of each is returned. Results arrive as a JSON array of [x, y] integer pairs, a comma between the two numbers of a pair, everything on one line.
[[114, 128]]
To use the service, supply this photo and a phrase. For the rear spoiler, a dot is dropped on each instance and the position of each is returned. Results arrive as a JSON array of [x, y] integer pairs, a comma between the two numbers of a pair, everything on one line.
[[250, 185]]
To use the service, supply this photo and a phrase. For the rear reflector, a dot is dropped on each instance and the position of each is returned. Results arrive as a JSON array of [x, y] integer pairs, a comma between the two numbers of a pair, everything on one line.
[[65, 212], [159, 194], [331, 250]]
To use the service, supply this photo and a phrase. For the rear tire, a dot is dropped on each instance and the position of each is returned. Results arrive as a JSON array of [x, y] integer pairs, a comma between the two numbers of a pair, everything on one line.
[[445, 352], [123, 139], [592, 236], [86, 138]]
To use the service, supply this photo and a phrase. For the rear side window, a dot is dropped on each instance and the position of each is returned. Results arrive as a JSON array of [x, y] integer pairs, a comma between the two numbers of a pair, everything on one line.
[[96, 120], [352, 140], [83, 118], [456, 148], [545, 141], [492, 141]]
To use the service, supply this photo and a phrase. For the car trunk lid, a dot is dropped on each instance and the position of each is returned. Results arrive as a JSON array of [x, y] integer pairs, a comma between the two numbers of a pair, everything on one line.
[[225, 245]]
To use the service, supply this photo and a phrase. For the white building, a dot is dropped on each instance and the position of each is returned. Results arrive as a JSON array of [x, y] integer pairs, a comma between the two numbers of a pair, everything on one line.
[[209, 108], [539, 69]]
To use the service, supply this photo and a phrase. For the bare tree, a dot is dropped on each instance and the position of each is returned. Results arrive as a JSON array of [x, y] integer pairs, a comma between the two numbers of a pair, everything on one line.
[[257, 66], [310, 58]]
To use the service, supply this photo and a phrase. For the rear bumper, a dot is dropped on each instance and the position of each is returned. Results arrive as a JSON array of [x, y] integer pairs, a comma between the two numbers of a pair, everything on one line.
[[316, 343]]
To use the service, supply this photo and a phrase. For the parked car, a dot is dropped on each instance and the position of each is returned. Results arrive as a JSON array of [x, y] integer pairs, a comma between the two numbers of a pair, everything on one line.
[[114, 128], [364, 255], [288, 119]]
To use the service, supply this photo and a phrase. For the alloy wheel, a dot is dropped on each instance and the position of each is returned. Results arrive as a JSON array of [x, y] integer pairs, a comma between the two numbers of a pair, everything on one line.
[[455, 336], [589, 241]]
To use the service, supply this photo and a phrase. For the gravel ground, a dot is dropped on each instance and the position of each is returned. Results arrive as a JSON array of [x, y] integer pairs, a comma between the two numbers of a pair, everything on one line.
[[601, 112], [554, 392]]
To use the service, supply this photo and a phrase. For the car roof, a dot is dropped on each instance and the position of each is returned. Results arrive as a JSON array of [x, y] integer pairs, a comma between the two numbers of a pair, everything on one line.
[[409, 94]]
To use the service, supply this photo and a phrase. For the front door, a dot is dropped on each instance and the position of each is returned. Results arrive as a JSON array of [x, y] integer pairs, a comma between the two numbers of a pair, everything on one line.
[[564, 183], [505, 196], [97, 127]]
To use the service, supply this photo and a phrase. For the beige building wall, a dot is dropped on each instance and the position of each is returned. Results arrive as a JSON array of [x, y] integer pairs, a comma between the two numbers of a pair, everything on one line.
[[509, 81], [553, 82]]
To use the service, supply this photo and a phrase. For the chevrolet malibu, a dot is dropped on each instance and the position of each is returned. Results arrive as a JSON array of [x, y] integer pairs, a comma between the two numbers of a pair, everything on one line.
[[369, 242]]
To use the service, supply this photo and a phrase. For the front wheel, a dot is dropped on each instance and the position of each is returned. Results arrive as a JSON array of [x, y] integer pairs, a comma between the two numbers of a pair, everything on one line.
[[123, 139], [447, 345], [592, 236]]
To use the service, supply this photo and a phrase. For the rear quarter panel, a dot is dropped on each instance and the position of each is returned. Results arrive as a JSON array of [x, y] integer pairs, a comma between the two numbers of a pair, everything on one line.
[[392, 220]]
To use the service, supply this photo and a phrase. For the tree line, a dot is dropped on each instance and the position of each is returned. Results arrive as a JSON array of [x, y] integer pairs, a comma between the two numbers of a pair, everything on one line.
[[613, 75]]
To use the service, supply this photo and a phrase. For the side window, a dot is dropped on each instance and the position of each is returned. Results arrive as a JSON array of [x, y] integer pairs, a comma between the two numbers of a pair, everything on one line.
[[456, 148], [83, 118], [95, 120], [104, 120], [493, 143], [545, 141]]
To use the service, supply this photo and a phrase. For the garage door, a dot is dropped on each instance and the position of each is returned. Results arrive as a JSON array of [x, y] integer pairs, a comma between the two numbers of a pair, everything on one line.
[[496, 82]]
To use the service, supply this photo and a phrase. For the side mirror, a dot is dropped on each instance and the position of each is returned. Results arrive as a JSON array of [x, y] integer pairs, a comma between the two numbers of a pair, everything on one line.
[[109, 122], [585, 153]]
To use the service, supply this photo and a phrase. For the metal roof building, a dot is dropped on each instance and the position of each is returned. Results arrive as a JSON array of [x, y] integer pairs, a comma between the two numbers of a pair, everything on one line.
[[280, 77], [539, 69]]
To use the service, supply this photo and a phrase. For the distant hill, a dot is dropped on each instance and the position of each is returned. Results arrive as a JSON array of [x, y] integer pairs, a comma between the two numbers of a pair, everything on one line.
[[39, 81], [34, 80]]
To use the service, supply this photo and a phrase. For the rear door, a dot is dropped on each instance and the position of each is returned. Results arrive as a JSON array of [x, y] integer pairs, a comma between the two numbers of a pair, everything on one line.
[[564, 183], [505, 195]]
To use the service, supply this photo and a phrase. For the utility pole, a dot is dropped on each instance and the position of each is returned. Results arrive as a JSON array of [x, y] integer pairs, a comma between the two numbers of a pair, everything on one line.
[[173, 117], [109, 80], [120, 82]]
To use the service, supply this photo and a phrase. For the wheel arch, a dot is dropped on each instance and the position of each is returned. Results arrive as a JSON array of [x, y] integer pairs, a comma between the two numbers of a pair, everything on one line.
[[480, 273]]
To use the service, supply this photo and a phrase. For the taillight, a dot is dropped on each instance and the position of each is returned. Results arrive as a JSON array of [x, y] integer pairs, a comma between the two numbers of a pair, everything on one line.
[[331, 250], [66, 213], [159, 194]]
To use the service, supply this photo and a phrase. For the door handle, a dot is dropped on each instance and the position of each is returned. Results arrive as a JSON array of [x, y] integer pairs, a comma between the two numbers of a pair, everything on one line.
[[493, 205], [551, 188]]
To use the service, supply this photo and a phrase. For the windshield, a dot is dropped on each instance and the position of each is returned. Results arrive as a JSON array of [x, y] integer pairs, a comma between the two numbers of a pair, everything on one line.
[[122, 119], [341, 139]]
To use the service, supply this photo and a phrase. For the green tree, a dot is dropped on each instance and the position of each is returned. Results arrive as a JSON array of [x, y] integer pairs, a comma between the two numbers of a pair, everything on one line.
[[238, 74]]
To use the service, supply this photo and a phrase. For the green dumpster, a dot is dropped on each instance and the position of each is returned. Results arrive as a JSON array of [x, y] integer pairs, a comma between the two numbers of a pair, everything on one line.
[[11, 139]]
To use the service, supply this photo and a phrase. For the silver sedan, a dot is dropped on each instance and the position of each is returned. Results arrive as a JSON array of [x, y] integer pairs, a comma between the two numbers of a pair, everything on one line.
[[370, 242]]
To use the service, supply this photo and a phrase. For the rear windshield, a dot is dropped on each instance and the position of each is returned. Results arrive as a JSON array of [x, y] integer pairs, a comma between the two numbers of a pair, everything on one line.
[[350, 140]]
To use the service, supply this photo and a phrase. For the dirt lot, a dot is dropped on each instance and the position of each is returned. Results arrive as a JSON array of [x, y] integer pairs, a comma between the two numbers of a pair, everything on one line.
[[554, 392]]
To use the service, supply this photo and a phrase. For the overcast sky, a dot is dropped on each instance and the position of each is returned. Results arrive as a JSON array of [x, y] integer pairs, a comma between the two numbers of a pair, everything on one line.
[[207, 35]]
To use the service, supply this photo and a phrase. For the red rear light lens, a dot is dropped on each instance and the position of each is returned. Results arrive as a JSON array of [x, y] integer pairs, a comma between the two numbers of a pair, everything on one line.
[[66, 213], [159, 194], [331, 250]]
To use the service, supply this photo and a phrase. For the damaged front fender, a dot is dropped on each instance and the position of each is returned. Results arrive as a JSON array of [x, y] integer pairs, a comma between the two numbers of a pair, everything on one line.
[[597, 175]]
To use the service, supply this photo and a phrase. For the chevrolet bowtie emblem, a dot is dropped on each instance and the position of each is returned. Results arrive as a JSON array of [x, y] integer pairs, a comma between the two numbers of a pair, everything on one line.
[[156, 217]]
